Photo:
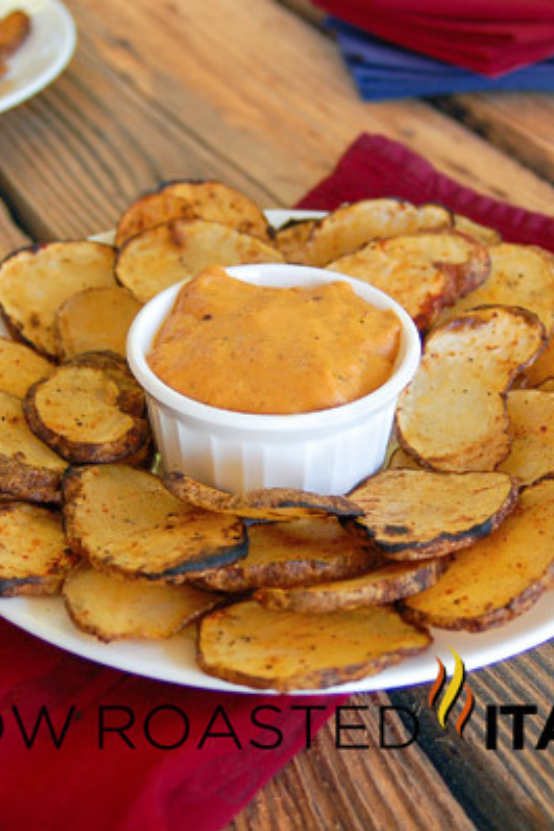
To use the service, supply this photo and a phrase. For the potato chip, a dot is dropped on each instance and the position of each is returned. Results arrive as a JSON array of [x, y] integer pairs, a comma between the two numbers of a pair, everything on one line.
[[21, 367], [147, 212], [453, 414], [531, 414], [95, 320], [247, 644]]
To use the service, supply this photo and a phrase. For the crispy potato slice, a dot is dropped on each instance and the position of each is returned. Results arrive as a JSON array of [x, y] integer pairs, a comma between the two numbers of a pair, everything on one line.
[[400, 459], [387, 584], [21, 367], [28, 468], [248, 644], [416, 514], [131, 395], [218, 202], [35, 281], [482, 233], [167, 254], [351, 226], [292, 237], [95, 319], [531, 414], [296, 553], [547, 386], [14, 28], [453, 414], [123, 520], [542, 368], [34, 554], [424, 271], [148, 211], [499, 577], [79, 412], [268, 503], [520, 275], [113, 608]]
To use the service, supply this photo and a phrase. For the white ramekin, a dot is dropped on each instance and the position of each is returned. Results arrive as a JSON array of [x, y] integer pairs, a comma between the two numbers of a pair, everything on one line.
[[327, 452]]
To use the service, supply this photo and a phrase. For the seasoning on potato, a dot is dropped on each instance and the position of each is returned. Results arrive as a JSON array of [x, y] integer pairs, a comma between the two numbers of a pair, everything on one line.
[[124, 521], [21, 367], [113, 608]]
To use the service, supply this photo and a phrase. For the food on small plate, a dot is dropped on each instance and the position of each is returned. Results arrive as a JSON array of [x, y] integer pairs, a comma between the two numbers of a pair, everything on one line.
[[453, 414], [417, 514], [542, 368], [501, 576], [114, 608], [123, 521], [296, 553], [520, 275], [265, 504], [531, 414], [35, 281], [218, 202], [384, 584], [351, 226], [21, 367], [482, 233], [167, 254], [247, 644], [131, 395], [14, 29], [34, 555], [95, 319], [257, 349], [424, 271], [82, 413], [29, 469]]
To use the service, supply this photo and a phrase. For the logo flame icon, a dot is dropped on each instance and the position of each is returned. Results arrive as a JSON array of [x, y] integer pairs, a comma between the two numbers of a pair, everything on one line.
[[452, 694]]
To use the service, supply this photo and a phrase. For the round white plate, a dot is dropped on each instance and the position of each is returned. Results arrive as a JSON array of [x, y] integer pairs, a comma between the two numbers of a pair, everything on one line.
[[43, 55], [174, 660]]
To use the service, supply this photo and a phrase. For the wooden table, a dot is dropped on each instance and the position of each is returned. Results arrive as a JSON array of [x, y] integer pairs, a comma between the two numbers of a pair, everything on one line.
[[255, 93]]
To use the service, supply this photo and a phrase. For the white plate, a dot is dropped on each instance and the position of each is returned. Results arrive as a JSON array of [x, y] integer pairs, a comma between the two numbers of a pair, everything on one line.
[[174, 660], [43, 55]]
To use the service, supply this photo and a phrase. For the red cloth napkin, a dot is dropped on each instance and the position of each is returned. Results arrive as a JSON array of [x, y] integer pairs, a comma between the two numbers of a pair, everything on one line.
[[491, 38], [143, 779]]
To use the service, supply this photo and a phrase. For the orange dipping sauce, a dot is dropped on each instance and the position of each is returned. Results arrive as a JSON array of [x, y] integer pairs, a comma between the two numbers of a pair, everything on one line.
[[260, 350]]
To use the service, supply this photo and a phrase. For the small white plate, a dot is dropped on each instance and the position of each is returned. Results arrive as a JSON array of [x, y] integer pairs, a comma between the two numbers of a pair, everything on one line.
[[43, 55], [174, 660]]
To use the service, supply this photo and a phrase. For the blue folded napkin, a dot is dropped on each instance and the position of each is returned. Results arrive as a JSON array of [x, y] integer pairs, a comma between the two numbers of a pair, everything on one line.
[[384, 71]]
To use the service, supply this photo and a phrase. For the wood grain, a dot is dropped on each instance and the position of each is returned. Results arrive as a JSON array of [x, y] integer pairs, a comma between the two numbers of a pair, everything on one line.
[[11, 236], [208, 90]]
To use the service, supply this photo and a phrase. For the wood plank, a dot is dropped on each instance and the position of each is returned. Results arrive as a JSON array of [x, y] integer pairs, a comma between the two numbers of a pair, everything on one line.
[[156, 92], [11, 236], [519, 124]]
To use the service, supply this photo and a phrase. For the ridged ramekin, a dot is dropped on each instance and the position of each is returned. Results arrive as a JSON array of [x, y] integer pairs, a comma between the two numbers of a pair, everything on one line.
[[327, 452]]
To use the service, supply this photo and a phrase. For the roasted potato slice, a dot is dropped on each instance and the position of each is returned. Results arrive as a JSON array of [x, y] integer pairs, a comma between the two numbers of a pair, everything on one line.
[[124, 521], [291, 239], [266, 504], [95, 319], [482, 233], [424, 271], [400, 459], [80, 412], [21, 367], [531, 414], [453, 414], [164, 255], [14, 28], [35, 281], [34, 555], [218, 202], [28, 468], [416, 514], [387, 584], [148, 211], [351, 226], [542, 369], [520, 275], [113, 608], [296, 553], [131, 395], [248, 644], [499, 577]]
